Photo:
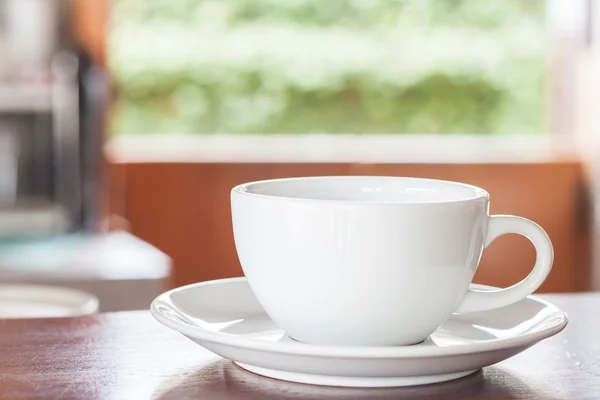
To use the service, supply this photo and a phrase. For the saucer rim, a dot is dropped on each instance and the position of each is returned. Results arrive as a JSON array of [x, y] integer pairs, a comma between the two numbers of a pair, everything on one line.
[[195, 332]]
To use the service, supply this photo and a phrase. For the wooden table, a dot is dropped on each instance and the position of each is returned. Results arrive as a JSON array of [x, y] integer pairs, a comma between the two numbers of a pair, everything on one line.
[[127, 355]]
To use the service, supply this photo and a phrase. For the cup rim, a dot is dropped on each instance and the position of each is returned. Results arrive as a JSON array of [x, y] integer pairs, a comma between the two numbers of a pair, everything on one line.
[[243, 190]]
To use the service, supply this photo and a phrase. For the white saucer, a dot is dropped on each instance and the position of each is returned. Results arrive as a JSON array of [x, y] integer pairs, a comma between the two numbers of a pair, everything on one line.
[[225, 317], [42, 301]]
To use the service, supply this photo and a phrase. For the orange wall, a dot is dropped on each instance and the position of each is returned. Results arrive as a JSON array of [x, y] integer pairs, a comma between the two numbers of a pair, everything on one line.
[[89, 24], [183, 209]]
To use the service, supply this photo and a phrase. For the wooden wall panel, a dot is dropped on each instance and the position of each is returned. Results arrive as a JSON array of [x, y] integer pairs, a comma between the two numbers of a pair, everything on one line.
[[184, 209], [546, 193]]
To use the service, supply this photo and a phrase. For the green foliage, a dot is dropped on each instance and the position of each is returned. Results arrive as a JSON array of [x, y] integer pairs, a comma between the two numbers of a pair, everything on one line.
[[351, 66]]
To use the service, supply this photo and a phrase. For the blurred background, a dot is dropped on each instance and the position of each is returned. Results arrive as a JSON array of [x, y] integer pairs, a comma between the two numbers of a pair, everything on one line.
[[125, 123], [352, 66]]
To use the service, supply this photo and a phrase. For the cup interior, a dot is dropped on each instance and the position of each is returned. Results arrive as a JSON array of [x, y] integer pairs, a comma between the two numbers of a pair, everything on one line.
[[364, 189]]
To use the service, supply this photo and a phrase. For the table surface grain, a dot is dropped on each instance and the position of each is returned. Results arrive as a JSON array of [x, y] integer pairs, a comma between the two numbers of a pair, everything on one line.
[[128, 355]]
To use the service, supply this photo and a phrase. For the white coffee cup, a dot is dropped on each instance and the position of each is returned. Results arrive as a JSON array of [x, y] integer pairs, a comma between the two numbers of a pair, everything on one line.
[[372, 261]]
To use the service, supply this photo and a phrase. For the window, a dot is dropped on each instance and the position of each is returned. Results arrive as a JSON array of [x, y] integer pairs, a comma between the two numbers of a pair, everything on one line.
[[340, 66]]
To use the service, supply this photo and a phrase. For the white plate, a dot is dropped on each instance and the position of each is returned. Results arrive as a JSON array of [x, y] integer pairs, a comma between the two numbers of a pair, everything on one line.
[[39, 301], [225, 317]]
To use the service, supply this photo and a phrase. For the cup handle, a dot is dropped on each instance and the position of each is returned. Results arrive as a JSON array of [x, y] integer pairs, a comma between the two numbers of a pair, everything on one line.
[[481, 300]]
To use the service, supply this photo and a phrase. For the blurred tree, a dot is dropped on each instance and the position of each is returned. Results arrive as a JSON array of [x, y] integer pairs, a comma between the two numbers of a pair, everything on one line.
[[350, 66]]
